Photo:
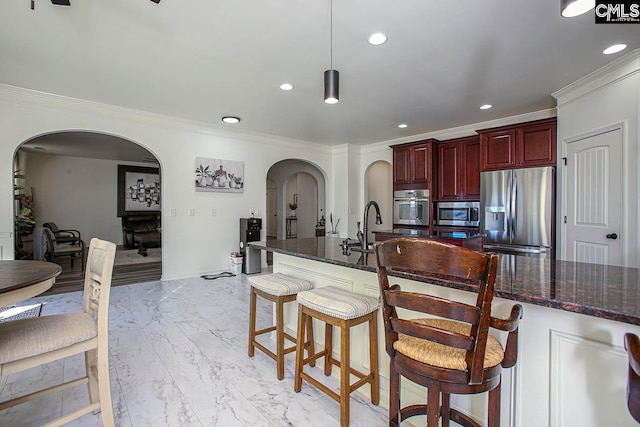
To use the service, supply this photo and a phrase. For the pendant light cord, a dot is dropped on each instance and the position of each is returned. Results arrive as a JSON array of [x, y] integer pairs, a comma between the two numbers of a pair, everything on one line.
[[331, 32]]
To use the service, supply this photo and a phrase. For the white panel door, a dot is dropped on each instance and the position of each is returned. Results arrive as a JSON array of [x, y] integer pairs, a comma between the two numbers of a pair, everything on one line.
[[593, 178]]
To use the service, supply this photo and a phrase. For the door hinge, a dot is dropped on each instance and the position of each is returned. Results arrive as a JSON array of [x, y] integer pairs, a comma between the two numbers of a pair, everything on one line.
[[565, 219], [564, 159]]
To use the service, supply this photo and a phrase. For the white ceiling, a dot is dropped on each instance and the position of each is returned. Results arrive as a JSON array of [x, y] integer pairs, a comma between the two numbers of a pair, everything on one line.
[[202, 59]]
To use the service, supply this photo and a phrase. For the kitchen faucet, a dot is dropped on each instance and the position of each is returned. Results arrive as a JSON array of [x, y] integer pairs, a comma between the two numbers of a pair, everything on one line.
[[364, 244]]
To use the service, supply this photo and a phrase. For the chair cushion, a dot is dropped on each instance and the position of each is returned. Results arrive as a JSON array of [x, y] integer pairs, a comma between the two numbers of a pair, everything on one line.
[[29, 337], [443, 356], [279, 284], [338, 302]]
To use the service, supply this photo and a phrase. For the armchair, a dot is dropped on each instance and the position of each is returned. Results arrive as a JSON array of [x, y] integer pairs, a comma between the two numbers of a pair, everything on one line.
[[63, 236], [141, 232], [56, 248]]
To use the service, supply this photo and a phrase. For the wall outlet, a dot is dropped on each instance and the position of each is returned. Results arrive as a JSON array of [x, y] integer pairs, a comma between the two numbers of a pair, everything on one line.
[[172, 212], [252, 212], [192, 212], [214, 212]]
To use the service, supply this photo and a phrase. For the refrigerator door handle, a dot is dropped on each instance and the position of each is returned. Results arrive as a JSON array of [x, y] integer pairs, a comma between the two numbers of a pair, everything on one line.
[[514, 202]]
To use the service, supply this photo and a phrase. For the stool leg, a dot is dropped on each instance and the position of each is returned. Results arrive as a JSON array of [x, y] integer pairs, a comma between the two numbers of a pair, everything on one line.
[[433, 403], [252, 321], [280, 337], [394, 396], [373, 358], [445, 410], [345, 375], [328, 348], [494, 406], [297, 384], [311, 350]]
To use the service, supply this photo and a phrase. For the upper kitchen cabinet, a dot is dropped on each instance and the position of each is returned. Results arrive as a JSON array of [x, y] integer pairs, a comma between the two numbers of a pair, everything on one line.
[[412, 165], [458, 168], [518, 146]]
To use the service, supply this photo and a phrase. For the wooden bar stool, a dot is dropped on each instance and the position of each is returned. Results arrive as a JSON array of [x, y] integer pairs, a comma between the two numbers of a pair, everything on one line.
[[447, 349], [337, 307], [279, 289]]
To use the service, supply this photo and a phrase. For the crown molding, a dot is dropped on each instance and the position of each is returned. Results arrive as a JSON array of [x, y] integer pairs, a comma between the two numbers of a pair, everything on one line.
[[617, 70], [30, 98]]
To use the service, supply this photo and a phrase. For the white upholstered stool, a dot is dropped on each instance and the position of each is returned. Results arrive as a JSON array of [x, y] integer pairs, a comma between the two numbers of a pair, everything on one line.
[[280, 289], [338, 307]]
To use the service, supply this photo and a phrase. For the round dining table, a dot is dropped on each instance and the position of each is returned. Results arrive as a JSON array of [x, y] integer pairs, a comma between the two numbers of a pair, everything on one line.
[[23, 279]]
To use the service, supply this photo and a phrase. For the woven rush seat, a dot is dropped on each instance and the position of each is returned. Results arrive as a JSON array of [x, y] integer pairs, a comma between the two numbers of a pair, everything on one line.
[[444, 356], [280, 289], [338, 307], [279, 284]]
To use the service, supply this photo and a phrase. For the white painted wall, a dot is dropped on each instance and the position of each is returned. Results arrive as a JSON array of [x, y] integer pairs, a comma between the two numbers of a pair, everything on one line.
[[602, 99], [192, 245]]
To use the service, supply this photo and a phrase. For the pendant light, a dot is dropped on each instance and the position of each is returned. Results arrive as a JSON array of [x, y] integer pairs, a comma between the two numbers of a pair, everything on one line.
[[571, 8], [331, 76]]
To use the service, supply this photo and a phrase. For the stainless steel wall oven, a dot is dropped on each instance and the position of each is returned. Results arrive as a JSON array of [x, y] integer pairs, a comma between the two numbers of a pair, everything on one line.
[[411, 207]]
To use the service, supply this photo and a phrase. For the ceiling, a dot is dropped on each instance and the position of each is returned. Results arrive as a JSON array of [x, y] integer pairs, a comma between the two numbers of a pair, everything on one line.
[[203, 59]]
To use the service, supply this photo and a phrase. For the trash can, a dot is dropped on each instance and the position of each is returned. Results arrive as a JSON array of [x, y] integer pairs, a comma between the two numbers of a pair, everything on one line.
[[235, 262]]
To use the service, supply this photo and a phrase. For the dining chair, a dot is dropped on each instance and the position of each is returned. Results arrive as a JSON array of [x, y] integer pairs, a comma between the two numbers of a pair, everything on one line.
[[37, 341], [449, 351], [632, 345]]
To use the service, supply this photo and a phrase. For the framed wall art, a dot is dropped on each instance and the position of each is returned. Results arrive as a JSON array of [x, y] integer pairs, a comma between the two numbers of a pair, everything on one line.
[[219, 175], [138, 190]]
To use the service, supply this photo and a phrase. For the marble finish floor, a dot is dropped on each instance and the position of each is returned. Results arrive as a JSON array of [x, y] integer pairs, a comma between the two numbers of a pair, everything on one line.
[[179, 358]]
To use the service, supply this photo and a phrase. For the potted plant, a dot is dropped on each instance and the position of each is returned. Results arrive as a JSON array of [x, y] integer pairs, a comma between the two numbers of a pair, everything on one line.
[[320, 225], [334, 228], [24, 220]]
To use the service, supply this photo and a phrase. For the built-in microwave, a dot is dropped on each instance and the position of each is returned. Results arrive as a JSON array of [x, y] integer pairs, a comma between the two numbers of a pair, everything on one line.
[[411, 207], [465, 214]]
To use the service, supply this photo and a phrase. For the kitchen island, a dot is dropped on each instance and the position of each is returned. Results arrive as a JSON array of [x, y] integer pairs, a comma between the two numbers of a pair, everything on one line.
[[572, 365]]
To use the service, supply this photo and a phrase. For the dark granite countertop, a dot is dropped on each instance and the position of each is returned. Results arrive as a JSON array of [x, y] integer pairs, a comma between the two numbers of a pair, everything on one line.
[[607, 292], [424, 233]]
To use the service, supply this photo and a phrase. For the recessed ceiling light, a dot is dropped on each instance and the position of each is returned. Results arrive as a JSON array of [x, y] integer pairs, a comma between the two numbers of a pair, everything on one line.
[[286, 86], [376, 39], [231, 120], [614, 49], [571, 8], [402, 125], [485, 106]]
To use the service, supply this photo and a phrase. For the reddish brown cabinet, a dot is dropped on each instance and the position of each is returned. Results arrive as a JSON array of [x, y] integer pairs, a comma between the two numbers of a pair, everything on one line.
[[413, 165], [459, 169], [516, 146]]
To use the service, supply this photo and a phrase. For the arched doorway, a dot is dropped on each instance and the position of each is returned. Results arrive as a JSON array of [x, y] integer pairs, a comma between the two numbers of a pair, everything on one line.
[[72, 181], [379, 187], [295, 181]]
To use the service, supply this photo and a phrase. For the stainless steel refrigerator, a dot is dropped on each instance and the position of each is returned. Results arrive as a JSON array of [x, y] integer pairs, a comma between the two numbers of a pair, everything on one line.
[[517, 211]]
